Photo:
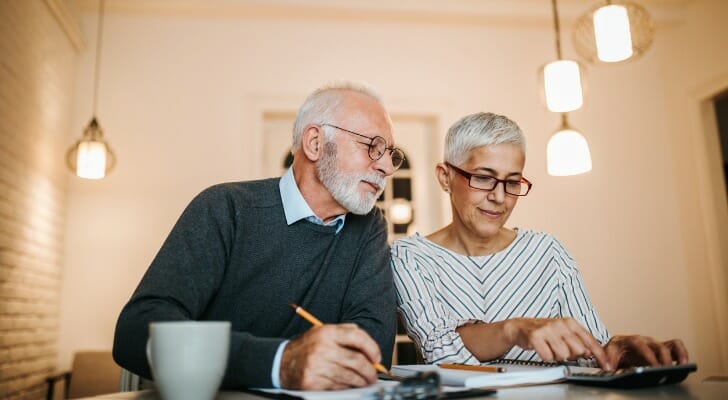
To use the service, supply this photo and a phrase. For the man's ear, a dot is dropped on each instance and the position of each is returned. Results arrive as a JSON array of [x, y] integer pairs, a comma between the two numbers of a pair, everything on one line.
[[312, 142], [443, 176]]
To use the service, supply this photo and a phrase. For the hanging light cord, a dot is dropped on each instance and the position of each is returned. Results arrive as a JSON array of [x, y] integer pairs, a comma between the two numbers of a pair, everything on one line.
[[557, 30], [99, 37]]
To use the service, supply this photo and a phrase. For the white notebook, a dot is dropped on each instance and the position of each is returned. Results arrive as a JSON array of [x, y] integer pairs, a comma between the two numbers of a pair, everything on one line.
[[516, 375]]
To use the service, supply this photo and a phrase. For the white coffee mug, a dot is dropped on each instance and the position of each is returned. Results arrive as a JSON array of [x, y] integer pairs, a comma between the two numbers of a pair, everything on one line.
[[188, 358]]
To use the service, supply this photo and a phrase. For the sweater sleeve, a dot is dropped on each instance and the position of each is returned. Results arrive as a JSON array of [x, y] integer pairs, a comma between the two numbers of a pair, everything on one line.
[[428, 322], [369, 300], [181, 281], [572, 298]]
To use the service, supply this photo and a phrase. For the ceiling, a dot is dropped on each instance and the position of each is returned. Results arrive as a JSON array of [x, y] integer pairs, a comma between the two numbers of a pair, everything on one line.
[[431, 11]]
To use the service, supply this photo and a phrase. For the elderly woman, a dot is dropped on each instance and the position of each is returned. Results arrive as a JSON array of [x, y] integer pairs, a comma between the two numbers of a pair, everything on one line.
[[476, 290]]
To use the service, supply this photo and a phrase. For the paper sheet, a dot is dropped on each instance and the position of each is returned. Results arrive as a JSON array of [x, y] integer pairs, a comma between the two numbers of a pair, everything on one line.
[[348, 394]]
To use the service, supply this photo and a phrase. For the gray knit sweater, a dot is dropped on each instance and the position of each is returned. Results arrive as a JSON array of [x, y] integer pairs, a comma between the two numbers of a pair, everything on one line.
[[232, 257]]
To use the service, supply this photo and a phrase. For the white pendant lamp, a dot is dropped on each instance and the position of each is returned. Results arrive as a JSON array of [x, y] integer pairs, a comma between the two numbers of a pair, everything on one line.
[[611, 32], [567, 152], [562, 79], [91, 157], [562, 86]]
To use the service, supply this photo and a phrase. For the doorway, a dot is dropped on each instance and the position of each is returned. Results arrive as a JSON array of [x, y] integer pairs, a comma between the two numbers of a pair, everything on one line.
[[720, 104]]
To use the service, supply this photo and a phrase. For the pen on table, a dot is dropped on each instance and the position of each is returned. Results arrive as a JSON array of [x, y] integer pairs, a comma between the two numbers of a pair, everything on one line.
[[481, 368], [315, 322]]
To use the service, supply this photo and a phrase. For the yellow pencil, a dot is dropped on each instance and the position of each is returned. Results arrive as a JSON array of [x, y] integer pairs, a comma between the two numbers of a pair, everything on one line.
[[315, 322], [481, 368]]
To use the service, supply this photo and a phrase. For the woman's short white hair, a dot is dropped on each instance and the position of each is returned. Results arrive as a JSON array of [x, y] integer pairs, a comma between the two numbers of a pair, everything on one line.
[[321, 106], [477, 130]]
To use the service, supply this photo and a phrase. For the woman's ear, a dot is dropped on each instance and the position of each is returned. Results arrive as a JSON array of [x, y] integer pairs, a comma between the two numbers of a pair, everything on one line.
[[312, 142], [443, 176]]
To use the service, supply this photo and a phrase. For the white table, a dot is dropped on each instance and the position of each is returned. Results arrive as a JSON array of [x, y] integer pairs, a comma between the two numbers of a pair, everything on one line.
[[706, 390]]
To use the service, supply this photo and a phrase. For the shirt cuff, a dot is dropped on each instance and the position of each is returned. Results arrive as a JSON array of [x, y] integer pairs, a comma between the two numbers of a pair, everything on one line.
[[275, 373]]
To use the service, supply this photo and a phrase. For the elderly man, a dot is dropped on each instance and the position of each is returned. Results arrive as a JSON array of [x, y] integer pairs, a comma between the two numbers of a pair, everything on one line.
[[242, 252]]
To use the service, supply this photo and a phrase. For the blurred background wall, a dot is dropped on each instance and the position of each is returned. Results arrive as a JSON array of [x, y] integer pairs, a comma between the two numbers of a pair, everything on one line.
[[191, 93]]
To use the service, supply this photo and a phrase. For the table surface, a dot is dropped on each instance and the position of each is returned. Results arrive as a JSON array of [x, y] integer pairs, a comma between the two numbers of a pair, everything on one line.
[[706, 390]]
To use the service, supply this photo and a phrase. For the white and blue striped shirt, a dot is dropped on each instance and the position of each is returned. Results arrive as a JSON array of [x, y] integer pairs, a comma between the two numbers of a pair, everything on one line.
[[439, 290]]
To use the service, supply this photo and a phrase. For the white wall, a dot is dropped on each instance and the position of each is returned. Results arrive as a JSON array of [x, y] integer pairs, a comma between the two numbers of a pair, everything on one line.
[[695, 71], [178, 99]]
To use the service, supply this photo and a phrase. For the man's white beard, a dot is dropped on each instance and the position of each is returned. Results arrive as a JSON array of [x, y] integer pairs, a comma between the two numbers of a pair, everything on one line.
[[344, 187]]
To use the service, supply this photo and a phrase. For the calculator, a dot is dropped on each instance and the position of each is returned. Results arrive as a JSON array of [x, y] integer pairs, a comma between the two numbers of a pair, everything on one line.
[[631, 378]]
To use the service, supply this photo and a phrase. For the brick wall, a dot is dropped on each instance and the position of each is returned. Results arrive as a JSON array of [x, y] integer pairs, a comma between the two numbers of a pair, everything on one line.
[[37, 72]]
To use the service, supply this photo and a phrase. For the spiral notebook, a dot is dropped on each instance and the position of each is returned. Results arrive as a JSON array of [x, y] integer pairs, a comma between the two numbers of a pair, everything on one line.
[[520, 373], [515, 375]]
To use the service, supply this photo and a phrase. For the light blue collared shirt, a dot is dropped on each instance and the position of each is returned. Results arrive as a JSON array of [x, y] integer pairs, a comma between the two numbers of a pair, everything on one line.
[[296, 209], [295, 206]]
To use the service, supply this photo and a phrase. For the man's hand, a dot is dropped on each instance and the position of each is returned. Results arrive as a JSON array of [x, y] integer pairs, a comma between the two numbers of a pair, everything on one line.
[[636, 350], [330, 357], [556, 339]]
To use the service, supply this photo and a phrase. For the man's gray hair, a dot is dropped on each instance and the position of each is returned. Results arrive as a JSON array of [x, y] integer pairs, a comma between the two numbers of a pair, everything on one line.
[[321, 106], [480, 129]]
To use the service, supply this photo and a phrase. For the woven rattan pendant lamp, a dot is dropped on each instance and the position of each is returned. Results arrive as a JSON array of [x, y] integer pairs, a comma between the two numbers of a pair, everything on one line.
[[613, 31]]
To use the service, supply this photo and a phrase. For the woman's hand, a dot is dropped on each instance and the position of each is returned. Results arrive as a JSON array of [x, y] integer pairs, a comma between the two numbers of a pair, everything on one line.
[[636, 350], [555, 339]]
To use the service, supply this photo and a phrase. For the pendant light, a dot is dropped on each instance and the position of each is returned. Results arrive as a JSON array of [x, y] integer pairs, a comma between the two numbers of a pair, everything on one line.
[[561, 79], [400, 211], [613, 31], [91, 157], [567, 152]]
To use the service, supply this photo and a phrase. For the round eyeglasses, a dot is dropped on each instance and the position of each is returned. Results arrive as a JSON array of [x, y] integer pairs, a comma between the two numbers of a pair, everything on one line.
[[513, 187], [377, 147]]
